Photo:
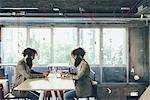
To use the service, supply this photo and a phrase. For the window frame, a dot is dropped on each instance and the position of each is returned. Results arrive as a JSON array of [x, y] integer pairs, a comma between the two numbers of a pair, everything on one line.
[[101, 65]]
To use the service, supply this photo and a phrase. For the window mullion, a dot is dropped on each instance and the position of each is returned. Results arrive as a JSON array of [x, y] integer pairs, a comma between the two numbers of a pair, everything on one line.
[[28, 37], [101, 53], [101, 46], [52, 45], [78, 36]]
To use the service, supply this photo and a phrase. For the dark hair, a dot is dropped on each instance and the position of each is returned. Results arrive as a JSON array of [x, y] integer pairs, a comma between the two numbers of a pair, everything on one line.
[[29, 52], [79, 52]]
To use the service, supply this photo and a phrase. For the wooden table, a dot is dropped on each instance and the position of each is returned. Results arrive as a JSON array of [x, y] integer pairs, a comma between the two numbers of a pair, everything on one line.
[[146, 94], [43, 84]]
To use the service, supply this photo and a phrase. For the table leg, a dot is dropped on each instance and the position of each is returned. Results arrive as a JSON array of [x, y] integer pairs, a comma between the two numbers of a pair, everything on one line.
[[59, 96], [53, 95], [42, 93]]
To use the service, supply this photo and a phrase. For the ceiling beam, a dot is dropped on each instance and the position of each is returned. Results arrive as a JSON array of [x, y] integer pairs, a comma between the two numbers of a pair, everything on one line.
[[67, 19], [90, 15]]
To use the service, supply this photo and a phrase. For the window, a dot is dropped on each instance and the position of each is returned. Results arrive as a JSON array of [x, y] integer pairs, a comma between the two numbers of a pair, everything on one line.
[[55, 44], [40, 39], [114, 46], [114, 55], [13, 43], [105, 47], [90, 41], [65, 40]]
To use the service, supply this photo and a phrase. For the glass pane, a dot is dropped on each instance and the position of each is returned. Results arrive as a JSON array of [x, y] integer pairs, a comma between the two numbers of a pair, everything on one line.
[[114, 46], [40, 39], [65, 40], [114, 74], [13, 43], [89, 40]]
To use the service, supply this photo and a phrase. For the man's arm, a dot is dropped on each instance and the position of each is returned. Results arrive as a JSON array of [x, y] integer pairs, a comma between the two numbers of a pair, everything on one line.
[[34, 72], [28, 74]]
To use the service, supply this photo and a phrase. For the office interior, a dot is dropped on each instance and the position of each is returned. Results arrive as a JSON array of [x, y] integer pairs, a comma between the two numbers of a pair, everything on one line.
[[114, 33]]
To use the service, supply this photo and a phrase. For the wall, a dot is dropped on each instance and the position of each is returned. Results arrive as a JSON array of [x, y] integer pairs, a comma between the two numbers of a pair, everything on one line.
[[0, 44], [149, 52], [119, 91], [138, 52]]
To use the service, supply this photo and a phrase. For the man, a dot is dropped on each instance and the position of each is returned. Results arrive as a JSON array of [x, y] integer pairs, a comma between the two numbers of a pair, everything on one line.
[[24, 72]]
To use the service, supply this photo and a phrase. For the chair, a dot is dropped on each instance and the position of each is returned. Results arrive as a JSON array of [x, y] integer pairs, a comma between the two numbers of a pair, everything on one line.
[[11, 96], [4, 91], [94, 86], [94, 92], [2, 73]]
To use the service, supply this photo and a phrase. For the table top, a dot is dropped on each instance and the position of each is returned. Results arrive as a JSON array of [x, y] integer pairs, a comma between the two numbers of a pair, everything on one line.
[[49, 83]]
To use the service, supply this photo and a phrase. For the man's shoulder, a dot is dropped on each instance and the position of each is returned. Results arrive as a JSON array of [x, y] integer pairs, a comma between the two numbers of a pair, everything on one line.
[[21, 62]]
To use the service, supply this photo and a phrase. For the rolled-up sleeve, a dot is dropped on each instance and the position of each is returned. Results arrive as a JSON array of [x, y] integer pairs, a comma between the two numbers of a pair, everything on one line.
[[21, 69], [28, 74]]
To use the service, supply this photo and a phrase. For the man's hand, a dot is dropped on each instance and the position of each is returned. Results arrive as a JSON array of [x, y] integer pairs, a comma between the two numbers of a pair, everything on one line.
[[64, 75], [45, 74]]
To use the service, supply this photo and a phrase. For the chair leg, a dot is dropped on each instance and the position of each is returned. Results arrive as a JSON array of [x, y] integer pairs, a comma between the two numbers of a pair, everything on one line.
[[47, 98]]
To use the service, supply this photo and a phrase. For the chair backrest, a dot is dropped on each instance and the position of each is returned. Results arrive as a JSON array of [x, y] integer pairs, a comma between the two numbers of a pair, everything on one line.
[[2, 73], [94, 83], [92, 74], [94, 86]]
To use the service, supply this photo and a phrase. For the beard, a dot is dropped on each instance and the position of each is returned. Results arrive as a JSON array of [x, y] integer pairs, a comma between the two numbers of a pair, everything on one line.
[[29, 62]]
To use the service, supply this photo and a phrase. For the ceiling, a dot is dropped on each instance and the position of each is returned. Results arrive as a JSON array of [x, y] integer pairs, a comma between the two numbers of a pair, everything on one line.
[[72, 8]]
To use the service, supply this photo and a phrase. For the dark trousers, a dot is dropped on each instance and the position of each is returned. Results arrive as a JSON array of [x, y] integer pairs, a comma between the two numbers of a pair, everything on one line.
[[69, 95]]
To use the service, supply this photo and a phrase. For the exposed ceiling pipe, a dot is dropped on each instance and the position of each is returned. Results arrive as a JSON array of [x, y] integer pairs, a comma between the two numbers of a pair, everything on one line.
[[19, 8], [69, 19], [27, 14], [132, 8], [63, 20]]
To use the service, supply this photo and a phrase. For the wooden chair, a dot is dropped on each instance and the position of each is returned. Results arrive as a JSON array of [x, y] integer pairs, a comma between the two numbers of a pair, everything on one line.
[[94, 92], [7, 95]]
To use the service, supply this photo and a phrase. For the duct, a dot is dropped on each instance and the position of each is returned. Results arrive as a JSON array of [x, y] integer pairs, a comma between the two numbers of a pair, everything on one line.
[[70, 20]]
